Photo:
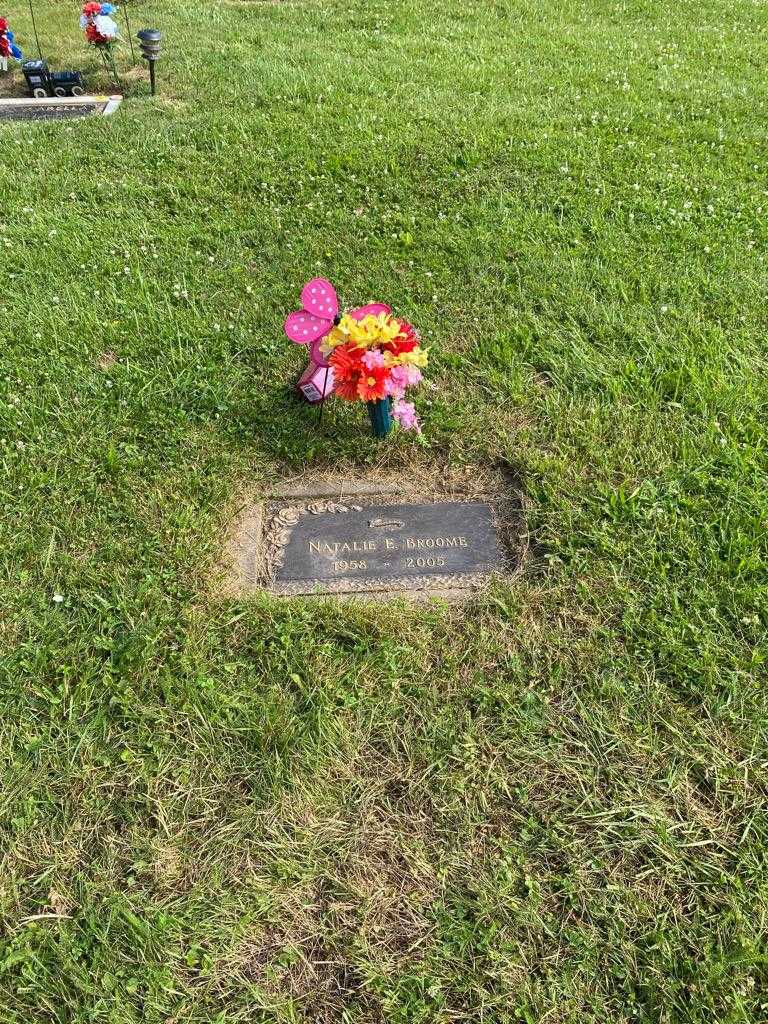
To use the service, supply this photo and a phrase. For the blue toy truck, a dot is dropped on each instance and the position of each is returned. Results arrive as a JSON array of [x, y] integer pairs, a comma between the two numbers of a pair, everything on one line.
[[42, 82]]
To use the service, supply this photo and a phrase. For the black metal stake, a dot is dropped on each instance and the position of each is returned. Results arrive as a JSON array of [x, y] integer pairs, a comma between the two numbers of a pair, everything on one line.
[[130, 35], [322, 400], [34, 29]]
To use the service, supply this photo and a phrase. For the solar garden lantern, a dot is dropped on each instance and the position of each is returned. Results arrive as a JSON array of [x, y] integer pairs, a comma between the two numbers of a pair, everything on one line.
[[149, 44]]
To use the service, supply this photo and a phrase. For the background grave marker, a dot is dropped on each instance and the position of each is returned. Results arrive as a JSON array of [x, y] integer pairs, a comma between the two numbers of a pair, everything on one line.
[[57, 109]]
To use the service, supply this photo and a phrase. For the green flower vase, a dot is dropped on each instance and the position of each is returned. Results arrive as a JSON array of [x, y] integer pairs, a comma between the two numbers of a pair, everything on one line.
[[381, 416]]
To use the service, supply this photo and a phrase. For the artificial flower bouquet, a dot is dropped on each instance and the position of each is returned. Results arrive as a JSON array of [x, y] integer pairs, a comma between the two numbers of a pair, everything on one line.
[[376, 359], [371, 355], [101, 31]]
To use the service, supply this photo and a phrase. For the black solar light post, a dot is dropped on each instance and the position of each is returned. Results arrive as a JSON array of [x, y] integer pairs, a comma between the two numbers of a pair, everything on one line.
[[149, 44]]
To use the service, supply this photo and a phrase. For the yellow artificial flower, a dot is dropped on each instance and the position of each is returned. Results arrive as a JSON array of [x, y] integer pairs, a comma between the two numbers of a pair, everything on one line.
[[366, 333], [361, 332], [389, 327], [334, 337], [418, 357]]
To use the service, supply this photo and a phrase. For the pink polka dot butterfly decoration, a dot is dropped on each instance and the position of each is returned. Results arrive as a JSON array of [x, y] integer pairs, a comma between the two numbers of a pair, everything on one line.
[[320, 314], [367, 354]]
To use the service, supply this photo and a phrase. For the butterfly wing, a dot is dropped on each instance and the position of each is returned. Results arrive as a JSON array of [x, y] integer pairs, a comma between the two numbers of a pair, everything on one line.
[[372, 309], [318, 296], [305, 328]]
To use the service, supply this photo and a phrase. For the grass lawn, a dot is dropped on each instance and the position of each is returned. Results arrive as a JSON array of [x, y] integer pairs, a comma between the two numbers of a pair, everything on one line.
[[548, 806]]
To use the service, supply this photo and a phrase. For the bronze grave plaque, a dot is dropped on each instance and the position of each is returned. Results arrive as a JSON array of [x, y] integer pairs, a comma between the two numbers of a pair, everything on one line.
[[333, 547]]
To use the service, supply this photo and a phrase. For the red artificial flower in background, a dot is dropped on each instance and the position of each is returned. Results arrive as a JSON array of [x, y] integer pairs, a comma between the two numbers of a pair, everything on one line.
[[406, 341], [93, 35], [372, 384]]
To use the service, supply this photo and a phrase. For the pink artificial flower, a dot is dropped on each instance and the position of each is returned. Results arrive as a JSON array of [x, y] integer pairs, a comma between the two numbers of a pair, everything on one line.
[[413, 374], [399, 379], [373, 358], [405, 414], [394, 390], [402, 377]]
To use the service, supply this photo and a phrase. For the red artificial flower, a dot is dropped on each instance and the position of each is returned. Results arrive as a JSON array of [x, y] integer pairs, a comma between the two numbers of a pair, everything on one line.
[[3, 24], [408, 335], [91, 9], [93, 35], [347, 368], [346, 362], [406, 341], [373, 383], [347, 389]]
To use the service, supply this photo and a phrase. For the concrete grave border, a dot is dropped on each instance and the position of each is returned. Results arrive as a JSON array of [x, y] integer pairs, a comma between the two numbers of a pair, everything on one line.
[[108, 105], [262, 530]]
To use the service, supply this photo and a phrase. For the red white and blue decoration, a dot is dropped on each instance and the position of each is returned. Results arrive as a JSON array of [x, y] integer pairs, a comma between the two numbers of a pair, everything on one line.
[[8, 47], [98, 24]]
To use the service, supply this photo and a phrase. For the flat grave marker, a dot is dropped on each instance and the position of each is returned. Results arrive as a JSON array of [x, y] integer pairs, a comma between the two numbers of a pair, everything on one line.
[[443, 532], [22, 109], [375, 546], [391, 542]]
